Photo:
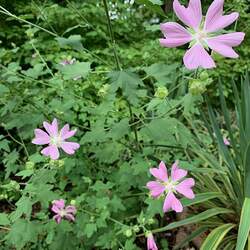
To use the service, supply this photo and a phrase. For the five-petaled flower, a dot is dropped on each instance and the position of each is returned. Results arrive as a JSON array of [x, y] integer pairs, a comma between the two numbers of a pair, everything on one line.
[[151, 245], [55, 139], [202, 34], [170, 186], [61, 211]]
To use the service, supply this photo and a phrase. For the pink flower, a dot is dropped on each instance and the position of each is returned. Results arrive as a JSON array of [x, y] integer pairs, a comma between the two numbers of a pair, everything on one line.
[[151, 245], [170, 186], [55, 139], [226, 141], [201, 35], [68, 62], [63, 212]]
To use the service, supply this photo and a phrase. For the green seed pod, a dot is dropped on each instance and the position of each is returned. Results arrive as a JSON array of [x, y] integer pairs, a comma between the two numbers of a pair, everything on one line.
[[196, 87], [128, 233], [103, 90], [161, 92], [136, 229], [151, 221], [73, 202], [29, 165]]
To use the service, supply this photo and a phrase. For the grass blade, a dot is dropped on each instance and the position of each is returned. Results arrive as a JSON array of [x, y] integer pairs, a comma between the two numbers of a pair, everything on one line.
[[216, 236]]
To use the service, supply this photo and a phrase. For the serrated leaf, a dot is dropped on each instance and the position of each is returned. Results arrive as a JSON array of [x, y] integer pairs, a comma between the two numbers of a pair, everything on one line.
[[75, 71], [128, 82], [25, 173]]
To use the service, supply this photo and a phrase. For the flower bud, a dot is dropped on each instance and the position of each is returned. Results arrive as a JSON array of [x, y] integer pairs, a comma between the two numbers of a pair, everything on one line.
[[128, 233], [136, 229], [73, 202], [161, 92], [29, 165], [197, 87], [151, 221], [103, 90]]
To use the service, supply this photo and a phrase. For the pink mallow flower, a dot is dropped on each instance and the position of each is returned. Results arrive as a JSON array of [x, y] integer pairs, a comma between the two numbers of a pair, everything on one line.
[[170, 186], [55, 139], [61, 211], [151, 245], [202, 34], [226, 141]]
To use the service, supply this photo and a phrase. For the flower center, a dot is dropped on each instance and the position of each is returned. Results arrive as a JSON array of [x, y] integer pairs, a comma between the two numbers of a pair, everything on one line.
[[56, 140], [200, 36], [62, 213], [170, 186]]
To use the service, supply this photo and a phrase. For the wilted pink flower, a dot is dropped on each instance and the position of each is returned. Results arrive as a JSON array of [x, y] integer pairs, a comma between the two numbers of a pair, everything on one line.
[[202, 34], [68, 62], [170, 186], [151, 245], [61, 211], [55, 139], [226, 141]]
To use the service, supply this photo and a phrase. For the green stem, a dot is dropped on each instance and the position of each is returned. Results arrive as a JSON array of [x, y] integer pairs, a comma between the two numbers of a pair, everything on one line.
[[111, 35]]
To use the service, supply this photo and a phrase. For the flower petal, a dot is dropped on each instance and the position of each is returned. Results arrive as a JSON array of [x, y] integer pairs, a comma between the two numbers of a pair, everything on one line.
[[161, 172], [151, 245], [55, 209], [69, 147], [69, 217], [51, 151], [175, 35], [156, 188], [66, 133], [172, 202], [57, 218], [214, 18], [59, 203], [71, 209], [177, 173], [223, 44], [185, 188], [192, 15], [41, 137], [196, 57], [52, 128]]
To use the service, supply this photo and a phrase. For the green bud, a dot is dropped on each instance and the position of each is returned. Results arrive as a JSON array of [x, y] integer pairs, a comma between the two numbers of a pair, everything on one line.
[[29, 165], [204, 75], [73, 202], [161, 92], [151, 221], [14, 185], [197, 87], [92, 218], [136, 229], [103, 90], [128, 233]]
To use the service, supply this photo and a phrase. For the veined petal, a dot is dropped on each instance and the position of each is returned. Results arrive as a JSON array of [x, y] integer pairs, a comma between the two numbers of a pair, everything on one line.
[[171, 202], [177, 173], [51, 151], [160, 173], [70, 147], [214, 18], [223, 44], [57, 218], [59, 203], [192, 15], [185, 188], [70, 209], [66, 132], [69, 217], [196, 57], [52, 128], [41, 137], [156, 188], [173, 42]]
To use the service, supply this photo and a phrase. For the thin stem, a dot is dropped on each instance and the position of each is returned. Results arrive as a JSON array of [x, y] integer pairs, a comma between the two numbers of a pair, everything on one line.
[[6, 12], [111, 35]]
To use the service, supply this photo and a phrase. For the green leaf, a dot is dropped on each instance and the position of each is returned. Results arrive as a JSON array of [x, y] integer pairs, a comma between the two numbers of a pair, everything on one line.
[[127, 81], [200, 198], [73, 41], [244, 226], [153, 5], [22, 232], [216, 236], [25, 173], [4, 220], [76, 70], [90, 229], [196, 218]]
